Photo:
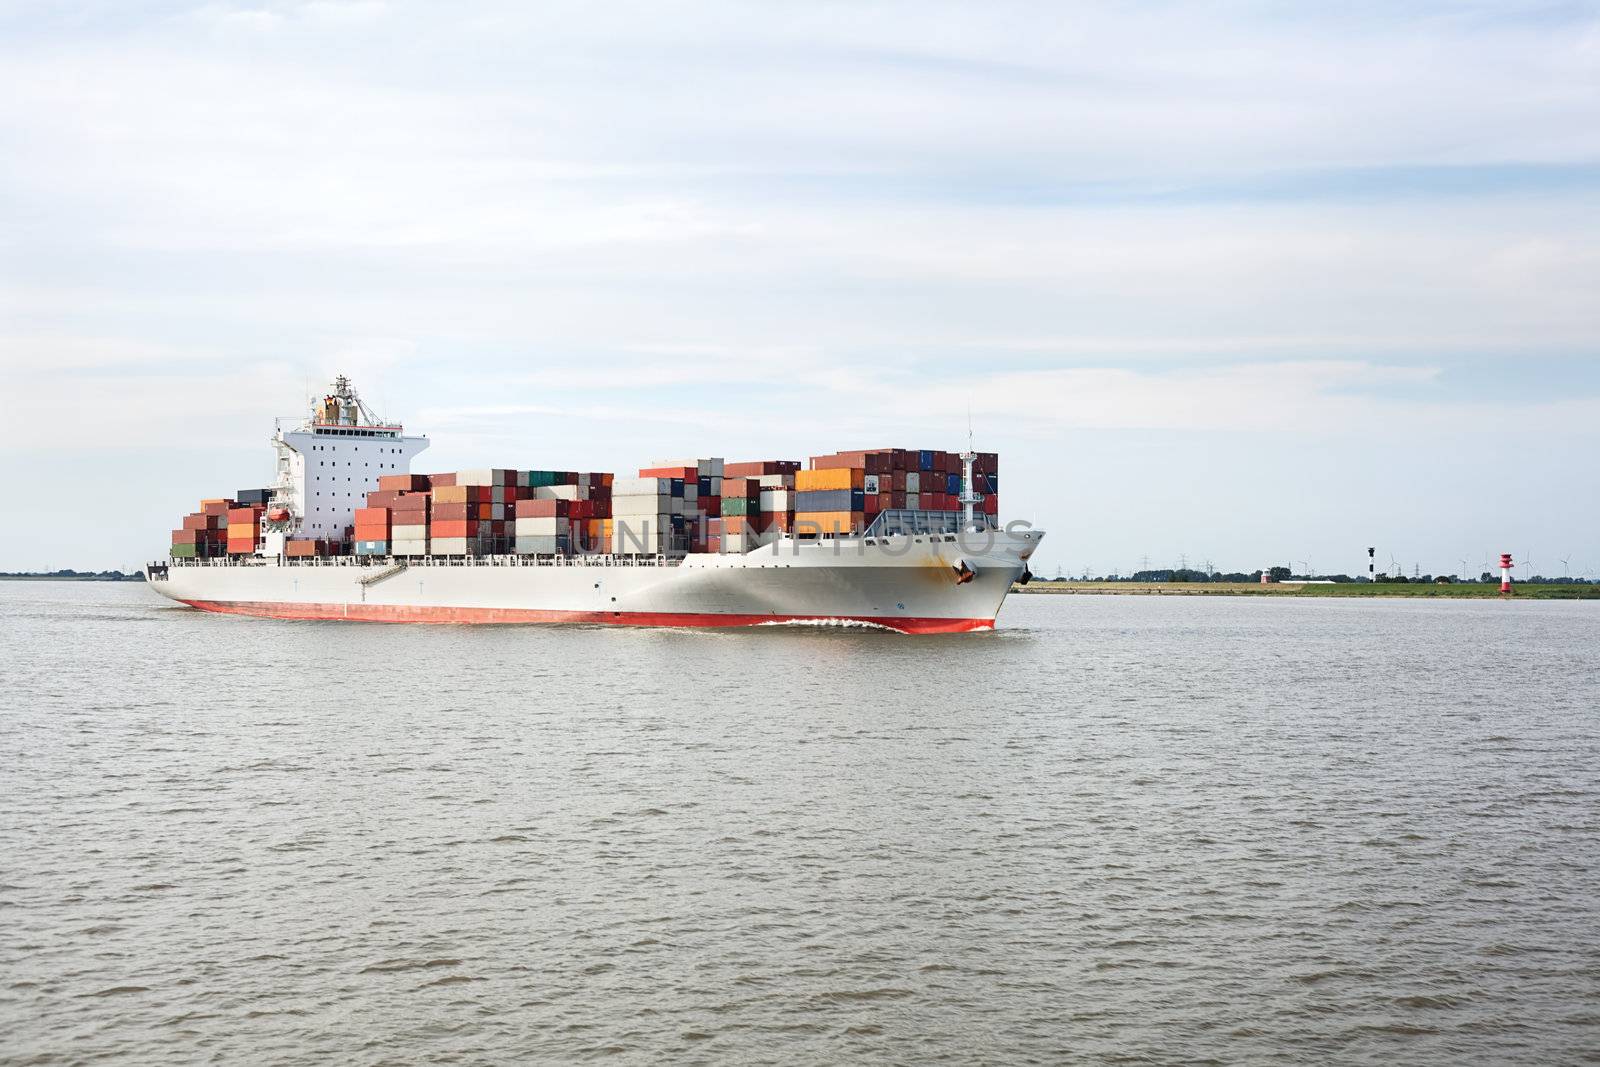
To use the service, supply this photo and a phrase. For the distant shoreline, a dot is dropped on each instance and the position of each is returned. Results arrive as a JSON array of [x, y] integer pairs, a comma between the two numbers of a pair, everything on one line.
[[1391, 590], [71, 576]]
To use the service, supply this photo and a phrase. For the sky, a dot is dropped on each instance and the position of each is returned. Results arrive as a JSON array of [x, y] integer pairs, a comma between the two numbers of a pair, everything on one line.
[[1243, 283]]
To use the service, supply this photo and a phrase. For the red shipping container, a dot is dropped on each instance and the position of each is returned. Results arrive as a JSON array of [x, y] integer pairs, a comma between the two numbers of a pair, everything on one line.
[[199, 522], [453, 528], [185, 537], [374, 516], [757, 469], [437, 480], [688, 474], [404, 483], [991, 504], [216, 507], [542, 509], [450, 512]]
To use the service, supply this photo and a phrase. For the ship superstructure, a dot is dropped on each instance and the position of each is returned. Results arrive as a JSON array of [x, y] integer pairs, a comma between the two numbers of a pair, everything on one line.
[[329, 461]]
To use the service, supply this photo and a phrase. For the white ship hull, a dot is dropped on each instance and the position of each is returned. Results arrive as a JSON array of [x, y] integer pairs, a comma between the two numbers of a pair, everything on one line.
[[913, 584]]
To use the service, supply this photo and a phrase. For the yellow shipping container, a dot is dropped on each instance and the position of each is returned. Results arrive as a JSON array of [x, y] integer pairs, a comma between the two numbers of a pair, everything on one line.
[[837, 478], [450, 494], [830, 522]]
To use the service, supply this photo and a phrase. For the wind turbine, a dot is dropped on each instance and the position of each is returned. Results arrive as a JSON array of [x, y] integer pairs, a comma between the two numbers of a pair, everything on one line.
[[1566, 571], [1463, 574], [1394, 566]]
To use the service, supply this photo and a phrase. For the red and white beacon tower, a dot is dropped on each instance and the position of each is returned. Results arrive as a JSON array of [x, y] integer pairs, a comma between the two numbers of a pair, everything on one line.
[[1505, 573]]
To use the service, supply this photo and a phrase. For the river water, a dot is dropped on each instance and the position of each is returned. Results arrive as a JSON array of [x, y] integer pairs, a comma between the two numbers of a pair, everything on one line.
[[1118, 829]]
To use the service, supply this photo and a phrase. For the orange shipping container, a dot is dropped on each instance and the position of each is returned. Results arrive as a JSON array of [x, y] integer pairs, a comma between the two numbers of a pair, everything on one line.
[[831, 478], [450, 494], [372, 516], [830, 522]]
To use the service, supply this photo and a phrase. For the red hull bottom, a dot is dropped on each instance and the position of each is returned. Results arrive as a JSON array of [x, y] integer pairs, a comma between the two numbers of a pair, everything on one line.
[[503, 616]]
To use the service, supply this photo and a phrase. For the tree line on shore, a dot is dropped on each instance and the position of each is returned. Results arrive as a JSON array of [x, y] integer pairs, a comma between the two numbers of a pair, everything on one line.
[[1284, 574]]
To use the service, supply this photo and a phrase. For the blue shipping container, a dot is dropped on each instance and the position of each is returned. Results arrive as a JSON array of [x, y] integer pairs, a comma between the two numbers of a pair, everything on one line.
[[925, 461], [831, 500]]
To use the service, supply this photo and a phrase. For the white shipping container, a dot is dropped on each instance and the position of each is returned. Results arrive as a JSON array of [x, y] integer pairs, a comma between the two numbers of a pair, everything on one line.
[[449, 546], [561, 492], [641, 487], [777, 500], [408, 533], [540, 526], [871, 483], [716, 485], [776, 481], [477, 477], [408, 548], [913, 502], [641, 505], [913, 481]]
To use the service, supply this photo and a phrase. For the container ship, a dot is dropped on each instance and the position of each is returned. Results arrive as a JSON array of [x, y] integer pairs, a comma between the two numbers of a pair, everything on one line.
[[903, 539]]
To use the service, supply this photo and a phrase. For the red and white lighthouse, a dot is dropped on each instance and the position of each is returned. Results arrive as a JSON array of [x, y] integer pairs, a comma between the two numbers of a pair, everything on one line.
[[1505, 573]]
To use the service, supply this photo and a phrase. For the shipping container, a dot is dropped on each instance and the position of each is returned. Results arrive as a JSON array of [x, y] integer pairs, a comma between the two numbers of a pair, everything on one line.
[[830, 478], [829, 523]]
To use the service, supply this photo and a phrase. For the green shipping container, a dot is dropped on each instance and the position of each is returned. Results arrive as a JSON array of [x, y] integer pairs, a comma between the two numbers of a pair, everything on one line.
[[735, 506], [183, 552]]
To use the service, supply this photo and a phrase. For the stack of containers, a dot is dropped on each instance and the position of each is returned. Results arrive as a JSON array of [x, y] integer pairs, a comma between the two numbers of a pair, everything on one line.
[[920, 480], [643, 513], [700, 498], [489, 509], [204, 533], [596, 517], [830, 499], [544, 526], [700, 505], [453, 522], [408, 515], [372, 531], [776, 501], [740, 522], [244, 530]]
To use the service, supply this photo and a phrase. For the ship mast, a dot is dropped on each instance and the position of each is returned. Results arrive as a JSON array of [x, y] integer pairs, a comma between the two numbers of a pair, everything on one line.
[[968, 498]]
